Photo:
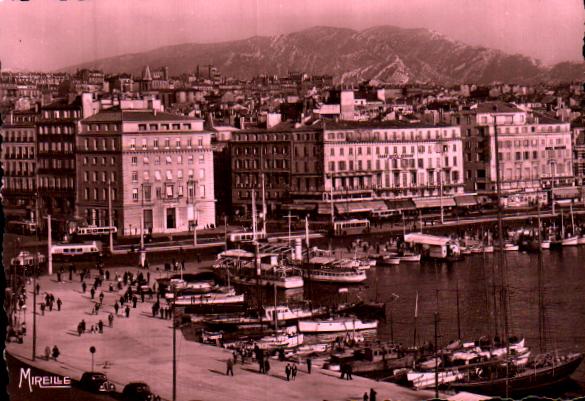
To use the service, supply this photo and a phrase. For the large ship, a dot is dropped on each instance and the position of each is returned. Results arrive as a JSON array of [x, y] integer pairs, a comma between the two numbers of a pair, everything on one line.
[[239, 266]]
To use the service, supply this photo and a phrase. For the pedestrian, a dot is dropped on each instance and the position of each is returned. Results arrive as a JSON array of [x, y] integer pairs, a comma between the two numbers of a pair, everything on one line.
[[365, 397], [141, 296], [127, 311], [43, 309], [294, 371], [154, 309], [79, 329], [266, 366], [162, 313], [309, 364], [50, 306], [47, 352], [373, 394], [70, 274], [59, 303], [38, 289], [83, 287], [134, 301], [230, 367], [148, 277], [108, 275], [101, 297], [111, 320], [59, 277], [56, 352], [97, 308], [235, 356], [83, 325], [348, 372], [101, 327], [287, 371], [343, 370], [116, 307], [92, 292], [111, 289]]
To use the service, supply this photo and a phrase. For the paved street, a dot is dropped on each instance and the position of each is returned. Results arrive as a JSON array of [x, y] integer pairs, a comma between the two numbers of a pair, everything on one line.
[[139, 348]]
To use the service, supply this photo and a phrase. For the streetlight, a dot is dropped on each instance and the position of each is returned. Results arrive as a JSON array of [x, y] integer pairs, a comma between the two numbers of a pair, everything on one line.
[[92, 351], [193, 190], [553, 165]]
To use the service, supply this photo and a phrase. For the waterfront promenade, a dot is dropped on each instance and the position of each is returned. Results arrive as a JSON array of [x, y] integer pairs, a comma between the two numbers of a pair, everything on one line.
[[139, 348]]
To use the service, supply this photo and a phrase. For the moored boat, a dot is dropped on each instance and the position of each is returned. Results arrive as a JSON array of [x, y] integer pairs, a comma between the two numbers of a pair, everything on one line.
[[342, 324]]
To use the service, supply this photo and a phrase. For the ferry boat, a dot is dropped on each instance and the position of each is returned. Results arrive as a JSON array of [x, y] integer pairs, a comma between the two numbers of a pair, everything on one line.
[[342, 324], [432, 246], [328, 270], [239, 266], [219, 297], [282, 313]]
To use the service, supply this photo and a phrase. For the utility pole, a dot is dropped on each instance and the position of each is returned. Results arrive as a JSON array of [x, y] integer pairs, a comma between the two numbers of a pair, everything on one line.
[[264, 211], [174, 347], [436, 356], [110, 217], [195, 214], [50, 246], [34, 340]]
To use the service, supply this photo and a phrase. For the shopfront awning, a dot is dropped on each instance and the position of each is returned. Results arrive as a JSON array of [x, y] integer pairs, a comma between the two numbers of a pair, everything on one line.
[[324, 208], [466, 200], [566, 193], [434, 202], [300, 207], [352, 207], [400, 204]]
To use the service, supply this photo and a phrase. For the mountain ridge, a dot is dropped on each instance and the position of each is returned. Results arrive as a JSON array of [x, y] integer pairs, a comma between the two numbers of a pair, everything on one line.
[[385, 53]]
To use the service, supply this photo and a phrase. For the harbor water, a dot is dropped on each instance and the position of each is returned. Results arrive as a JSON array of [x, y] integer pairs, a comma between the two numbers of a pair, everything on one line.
[[471, 280]]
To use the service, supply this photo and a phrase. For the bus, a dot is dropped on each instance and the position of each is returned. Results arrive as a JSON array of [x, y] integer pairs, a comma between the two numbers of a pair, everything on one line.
[[77, 250], [351, 227], [95, 231], [384, 214], [246, 236]]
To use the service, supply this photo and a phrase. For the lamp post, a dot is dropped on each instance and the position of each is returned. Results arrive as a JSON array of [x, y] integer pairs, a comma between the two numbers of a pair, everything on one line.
[[192, 188], [553, 164]]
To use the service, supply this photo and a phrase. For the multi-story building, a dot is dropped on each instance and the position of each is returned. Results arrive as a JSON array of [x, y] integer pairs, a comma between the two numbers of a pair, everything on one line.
[[57, 127], [389, 160], [257, 155], [19, 164], [155, 167], [533, 152], [578, 135]]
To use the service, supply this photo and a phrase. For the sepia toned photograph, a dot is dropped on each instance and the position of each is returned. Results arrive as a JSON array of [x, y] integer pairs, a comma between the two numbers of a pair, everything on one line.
[[304, 200]]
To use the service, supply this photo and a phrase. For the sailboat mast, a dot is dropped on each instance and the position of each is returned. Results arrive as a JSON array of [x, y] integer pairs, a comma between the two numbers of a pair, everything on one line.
[[264, 211], [415, 318], [254, 236], [503, 293]]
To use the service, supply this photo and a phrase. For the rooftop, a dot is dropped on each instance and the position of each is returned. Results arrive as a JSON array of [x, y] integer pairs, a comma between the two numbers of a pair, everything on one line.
[[118, 115]]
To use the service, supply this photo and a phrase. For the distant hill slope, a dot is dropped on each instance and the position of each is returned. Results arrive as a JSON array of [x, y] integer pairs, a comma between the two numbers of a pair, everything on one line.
[[385, 53]]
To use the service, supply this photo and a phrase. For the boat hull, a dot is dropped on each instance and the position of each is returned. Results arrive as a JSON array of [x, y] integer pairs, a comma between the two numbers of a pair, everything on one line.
[[335, 326], [525, 383], [573, 241]]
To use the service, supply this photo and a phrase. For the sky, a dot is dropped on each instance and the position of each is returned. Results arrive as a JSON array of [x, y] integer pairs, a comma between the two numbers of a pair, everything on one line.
[[51, 34]]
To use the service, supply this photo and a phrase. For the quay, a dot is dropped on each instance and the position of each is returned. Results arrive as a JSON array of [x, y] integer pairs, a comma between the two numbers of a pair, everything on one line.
[[139, 348]]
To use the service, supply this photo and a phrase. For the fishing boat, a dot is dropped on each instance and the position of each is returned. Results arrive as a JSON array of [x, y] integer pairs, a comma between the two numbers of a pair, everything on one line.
[[218, 297], [510, 247], [335, 276], [409, 257], [289, 338], [374, 360], [342, 324], [545, 244], [568, 239]]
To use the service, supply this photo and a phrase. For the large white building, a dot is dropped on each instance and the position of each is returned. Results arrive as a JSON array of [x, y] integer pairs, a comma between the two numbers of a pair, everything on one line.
[[535, 152], [159, 166], [392, 159]]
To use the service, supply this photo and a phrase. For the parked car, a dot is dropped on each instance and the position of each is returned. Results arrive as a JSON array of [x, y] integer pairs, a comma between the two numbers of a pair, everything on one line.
[[137, 391], [96, 382]]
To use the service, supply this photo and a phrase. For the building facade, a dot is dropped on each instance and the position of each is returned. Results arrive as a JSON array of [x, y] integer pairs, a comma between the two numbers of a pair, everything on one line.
[[57, 127], [392, 160], [157, 169], [535, 152], [19, 164]]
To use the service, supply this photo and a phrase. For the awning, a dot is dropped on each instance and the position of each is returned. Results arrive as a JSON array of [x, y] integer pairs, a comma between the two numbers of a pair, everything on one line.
[[436, 202], [352, 207], [466, 200], [324, 208], [566, 193], [301, 207], [400, 204], [378, 205]]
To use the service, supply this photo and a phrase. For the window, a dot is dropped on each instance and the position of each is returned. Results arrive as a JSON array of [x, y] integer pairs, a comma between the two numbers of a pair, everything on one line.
[[135, 194], [135, 176], [201, 158], [146, 175], [113, 176], [190, 159], [179, 174], [94, 161], [168, 160], [146, 192], [180, 191], [179, 159], [157, 160], [155, 143], [145, 160], [133, 144], [141, 127], [103, 176], [112, 161], [143, 143], [169, 191], [167, 143], [158, 193], [94, 176], [169, 175], [86, 176], [86, 193], [134, 160], [153, 127], [177, 143]]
